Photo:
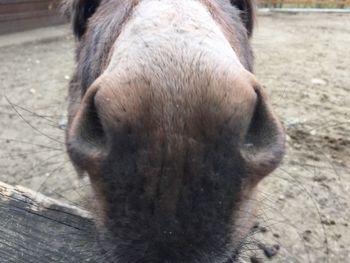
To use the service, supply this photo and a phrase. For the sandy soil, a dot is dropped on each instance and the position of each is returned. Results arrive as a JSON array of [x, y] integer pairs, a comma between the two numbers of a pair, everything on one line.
[[302, 60]]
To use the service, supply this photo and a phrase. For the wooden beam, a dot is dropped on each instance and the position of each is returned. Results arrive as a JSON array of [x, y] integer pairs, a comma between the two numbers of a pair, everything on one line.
[[38, 229], [19, 15]]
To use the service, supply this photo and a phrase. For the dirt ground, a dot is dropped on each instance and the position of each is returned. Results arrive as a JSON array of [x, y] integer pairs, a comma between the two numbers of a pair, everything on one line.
[[302, 60]]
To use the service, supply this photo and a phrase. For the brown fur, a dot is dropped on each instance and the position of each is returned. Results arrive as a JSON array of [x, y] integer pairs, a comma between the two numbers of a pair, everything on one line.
[[175, 149]]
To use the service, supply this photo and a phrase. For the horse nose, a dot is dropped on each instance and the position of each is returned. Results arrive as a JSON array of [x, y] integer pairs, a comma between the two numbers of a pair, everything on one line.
[[109, 109]]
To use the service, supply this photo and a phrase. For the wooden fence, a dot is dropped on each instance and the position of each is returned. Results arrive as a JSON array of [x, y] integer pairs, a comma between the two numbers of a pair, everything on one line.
[[305, 3], [17, 15]]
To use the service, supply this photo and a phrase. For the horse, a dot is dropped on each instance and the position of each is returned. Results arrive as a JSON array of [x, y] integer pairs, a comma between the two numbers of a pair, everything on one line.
[[170, 124]]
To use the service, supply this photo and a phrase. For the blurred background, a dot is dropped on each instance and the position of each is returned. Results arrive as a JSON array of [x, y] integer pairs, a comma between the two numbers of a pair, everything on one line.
[[302, 57]]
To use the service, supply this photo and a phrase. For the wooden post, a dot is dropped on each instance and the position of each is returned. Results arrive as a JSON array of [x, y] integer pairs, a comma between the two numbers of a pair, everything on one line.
[[38, 229]]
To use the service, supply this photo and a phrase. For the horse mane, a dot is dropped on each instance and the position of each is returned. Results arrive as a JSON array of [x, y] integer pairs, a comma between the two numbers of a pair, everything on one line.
[[248, 13]]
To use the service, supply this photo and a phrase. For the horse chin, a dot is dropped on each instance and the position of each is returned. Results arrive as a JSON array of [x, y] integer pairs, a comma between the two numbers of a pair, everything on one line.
[[108, 251]]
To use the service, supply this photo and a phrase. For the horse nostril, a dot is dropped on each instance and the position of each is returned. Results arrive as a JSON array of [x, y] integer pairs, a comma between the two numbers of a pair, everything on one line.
[[86, 138], [91, 128], [264, 144]]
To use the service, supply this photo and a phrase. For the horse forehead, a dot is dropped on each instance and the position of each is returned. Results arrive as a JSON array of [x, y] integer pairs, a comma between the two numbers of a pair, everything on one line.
[[175, 30]]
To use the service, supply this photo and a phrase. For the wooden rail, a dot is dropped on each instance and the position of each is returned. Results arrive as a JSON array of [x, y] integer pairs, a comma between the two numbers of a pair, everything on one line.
[[17, 15], [38, 229], [306, 3]]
